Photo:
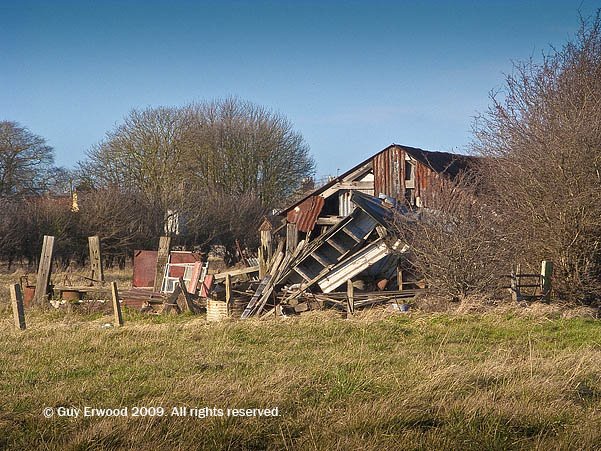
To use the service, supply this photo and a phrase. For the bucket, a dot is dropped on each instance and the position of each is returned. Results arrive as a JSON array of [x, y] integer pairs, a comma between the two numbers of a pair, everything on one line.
[[216, 310]]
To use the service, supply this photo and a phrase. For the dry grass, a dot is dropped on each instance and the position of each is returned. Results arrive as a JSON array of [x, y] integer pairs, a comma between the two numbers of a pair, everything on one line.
[[438, 381]]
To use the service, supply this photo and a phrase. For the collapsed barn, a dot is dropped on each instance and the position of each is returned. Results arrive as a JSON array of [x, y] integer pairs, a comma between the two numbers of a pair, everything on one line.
[[333, 247]]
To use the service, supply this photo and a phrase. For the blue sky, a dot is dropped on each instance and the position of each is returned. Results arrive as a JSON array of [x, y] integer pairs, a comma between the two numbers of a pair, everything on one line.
[[353, 77]]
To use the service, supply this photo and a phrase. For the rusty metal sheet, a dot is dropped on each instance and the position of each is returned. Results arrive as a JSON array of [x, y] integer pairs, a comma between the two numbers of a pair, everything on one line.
[[145, 265], [305, 214], [389, 172], [181, 257], [427, 184]]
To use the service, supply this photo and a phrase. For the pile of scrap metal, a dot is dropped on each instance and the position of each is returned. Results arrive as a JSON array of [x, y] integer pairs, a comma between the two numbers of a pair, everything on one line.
[[358, 255]]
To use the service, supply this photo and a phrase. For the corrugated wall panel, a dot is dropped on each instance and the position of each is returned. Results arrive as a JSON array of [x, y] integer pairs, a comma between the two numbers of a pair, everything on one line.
[[389, 168]]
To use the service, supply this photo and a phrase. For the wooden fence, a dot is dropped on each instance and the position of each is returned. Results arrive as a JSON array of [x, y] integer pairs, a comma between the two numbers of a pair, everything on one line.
[[526, 286]]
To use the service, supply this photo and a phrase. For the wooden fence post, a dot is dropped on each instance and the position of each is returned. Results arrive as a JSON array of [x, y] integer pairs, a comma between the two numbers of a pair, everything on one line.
[[97, 275], [44, 270], [17, 304], [116, 305], [546, 274], [350, 293], [162, 258]]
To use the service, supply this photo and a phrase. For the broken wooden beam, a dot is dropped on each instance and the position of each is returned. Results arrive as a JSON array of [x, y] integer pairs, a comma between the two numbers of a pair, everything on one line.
[[236, 272]]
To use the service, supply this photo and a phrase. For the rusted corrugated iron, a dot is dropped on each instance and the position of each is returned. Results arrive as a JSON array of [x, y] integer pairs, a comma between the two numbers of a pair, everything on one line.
[[427, 184], [145, 265], [389, 172], [306, 213]]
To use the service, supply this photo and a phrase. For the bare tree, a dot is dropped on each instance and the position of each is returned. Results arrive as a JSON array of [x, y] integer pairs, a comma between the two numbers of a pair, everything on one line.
[[219, 165], [456, 243], [542, 140], [238, 147], [25, 158], [123, 220], [144, 154]]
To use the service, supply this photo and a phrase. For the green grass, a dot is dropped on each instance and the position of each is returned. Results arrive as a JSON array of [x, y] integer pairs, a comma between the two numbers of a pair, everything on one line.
[[441, 381]]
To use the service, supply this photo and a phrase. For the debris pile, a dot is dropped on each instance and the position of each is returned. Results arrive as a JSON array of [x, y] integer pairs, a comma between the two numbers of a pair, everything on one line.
[[358, 253], [356, 263]]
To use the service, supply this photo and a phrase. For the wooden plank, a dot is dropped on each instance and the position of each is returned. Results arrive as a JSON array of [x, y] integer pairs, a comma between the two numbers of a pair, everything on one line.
[[251, 304], [188, 304], [82, 288], [207, 285], [228, 290], [116, 305], [353, 265], [265, 252], [329, 220], [44, 271], [97, 274], [399, 278], [162, 258], [16, 298], [301, 307], [236, 272], [171, 302], [291, 238], [277, 270]]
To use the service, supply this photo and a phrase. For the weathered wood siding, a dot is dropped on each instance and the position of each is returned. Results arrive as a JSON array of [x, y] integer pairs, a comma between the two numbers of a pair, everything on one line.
[[389, 176], [389, 173]]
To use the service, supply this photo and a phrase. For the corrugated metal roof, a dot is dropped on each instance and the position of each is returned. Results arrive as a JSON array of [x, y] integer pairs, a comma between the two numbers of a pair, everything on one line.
[[306, 213]]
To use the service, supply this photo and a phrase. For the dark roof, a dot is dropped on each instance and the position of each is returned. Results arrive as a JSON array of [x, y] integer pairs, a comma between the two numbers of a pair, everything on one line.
[[450, 164]]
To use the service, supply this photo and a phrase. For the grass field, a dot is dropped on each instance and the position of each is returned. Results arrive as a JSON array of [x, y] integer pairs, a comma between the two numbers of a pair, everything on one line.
[[436, 381]]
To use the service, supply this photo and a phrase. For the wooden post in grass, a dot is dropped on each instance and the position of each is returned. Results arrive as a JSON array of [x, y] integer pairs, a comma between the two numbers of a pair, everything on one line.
[[116, 305], [97, 275], [350, 294], [515, 283], [16, 298], [162, 258], [546, 273], [44, 269]]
